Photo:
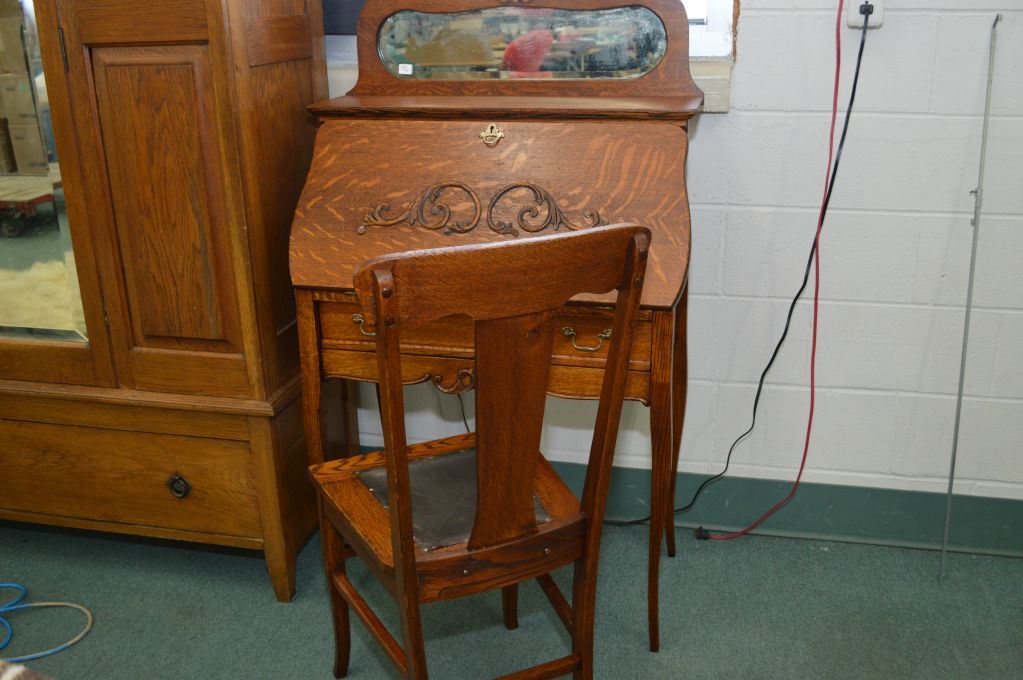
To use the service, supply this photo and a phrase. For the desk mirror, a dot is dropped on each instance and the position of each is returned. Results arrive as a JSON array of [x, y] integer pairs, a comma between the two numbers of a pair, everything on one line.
[[523, 42]]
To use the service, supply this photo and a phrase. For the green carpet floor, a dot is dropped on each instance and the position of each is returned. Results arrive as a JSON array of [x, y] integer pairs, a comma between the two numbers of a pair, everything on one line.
[[752, 608]]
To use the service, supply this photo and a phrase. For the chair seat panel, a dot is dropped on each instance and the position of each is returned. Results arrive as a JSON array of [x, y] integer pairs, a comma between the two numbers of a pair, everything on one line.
[[363, 518], [443, 497]]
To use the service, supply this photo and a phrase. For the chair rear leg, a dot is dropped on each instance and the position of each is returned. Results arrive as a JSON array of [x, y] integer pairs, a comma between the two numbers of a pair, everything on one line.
[[510, 604], [584, 602], [334, 561]]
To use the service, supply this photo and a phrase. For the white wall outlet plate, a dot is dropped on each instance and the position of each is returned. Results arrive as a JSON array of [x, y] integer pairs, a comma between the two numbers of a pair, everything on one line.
[[855, 19]]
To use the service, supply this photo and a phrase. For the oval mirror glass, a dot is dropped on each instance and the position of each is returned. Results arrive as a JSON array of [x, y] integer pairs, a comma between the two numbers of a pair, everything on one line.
[[523, 42]]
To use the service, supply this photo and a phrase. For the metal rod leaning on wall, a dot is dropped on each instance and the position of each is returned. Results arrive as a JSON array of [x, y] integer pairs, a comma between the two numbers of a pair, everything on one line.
[[978, 201]]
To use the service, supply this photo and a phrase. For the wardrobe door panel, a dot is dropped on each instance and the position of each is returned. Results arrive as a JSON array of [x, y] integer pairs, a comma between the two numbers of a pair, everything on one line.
[[167, 199], [154, 126]]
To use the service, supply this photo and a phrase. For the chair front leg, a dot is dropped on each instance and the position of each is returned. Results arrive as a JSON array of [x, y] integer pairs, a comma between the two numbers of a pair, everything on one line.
[[334, 562]]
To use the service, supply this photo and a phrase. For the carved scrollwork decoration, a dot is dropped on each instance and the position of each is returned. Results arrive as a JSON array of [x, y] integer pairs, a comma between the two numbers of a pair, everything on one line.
[[465, 380], [554, 216], [428, 212]]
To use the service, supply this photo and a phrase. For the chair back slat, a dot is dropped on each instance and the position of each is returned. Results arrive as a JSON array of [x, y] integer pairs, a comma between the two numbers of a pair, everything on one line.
[[512, 292], [513, 358]]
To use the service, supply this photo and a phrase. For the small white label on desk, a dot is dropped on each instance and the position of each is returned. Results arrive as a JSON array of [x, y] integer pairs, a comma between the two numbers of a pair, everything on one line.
[[405, 69]]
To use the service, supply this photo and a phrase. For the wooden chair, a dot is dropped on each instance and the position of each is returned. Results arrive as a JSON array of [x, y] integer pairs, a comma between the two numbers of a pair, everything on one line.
[[518, 520]]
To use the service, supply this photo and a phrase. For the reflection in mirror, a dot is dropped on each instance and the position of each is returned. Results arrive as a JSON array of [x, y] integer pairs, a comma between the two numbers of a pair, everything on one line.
[[523, 42], [39, 296]]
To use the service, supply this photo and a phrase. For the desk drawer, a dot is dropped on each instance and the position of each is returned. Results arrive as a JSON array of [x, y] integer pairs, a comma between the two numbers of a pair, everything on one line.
[[340, 329], [574, 382], [587, 324], [453, 337]]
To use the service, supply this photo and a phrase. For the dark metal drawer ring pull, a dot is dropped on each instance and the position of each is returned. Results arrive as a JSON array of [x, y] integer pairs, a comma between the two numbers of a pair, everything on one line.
[[359, 321], [179, 486], [569, 333]]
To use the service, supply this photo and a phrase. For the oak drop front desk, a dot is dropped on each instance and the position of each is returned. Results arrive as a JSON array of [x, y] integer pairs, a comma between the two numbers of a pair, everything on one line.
[[425, 156]]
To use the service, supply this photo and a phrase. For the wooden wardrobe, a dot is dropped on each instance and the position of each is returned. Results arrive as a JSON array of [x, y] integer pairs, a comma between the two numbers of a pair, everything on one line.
[[184, 142]]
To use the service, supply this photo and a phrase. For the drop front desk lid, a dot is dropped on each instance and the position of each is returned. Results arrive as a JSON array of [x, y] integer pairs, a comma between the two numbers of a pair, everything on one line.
[[405, 163]]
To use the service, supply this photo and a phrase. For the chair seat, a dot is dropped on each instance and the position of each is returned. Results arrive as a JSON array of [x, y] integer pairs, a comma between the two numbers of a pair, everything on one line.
[[442, 476], [443, 497]]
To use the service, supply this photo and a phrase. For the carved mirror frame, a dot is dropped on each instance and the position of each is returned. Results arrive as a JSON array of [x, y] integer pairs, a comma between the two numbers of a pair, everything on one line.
[[670, 77]]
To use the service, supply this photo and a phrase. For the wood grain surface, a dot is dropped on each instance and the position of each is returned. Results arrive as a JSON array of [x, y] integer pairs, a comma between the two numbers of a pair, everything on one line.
[[455, 336], [273, 39], [182, 163], [119, 21], [672, 108], [173, 246], [121, 476], [626, 171]]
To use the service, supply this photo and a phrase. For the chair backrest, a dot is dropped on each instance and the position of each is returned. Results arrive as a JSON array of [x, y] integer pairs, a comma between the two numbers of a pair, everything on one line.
[[512, 292]]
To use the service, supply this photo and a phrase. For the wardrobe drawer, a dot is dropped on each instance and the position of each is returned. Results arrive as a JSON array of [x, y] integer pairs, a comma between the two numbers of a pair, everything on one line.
[[342, 327], [122, 476]]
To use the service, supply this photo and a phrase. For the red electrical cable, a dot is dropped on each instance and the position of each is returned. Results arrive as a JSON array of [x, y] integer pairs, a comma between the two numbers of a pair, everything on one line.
[[816, 294]]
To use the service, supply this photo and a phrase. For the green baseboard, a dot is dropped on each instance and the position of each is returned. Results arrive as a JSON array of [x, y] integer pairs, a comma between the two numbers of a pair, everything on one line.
[[831, 512], [825, 511]]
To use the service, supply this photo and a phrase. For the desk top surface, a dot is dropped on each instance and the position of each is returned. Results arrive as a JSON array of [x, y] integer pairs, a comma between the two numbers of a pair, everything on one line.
[[676, 108]]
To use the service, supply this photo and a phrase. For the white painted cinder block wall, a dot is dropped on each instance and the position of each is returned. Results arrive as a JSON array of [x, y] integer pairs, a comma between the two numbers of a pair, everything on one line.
[[895, 260]]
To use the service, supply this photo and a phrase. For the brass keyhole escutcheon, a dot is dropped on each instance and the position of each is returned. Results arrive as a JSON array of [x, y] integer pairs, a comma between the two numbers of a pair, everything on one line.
[[492, 135]]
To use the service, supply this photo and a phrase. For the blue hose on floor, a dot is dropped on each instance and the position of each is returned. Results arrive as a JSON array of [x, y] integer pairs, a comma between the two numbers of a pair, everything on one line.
[[16, 605]]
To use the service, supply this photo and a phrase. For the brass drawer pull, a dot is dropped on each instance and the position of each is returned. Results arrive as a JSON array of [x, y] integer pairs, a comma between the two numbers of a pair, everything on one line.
[[179, 486], [359, 321], [492, 135], [569, 333]]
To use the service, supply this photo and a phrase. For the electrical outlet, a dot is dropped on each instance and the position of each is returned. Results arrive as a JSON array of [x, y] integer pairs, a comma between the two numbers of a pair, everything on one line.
[[855, 19]]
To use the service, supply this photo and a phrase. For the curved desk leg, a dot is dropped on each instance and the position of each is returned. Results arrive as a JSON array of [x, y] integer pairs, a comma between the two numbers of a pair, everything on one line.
[[679, 386], [662, 437]]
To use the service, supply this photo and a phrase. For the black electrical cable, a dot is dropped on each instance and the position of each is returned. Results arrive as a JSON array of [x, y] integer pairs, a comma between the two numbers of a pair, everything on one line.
[[795, 300], [461, 405]]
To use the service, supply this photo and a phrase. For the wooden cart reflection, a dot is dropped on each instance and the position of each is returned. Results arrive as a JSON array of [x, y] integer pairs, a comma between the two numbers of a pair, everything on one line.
[[21, 196]]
